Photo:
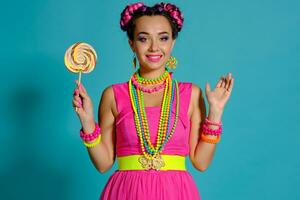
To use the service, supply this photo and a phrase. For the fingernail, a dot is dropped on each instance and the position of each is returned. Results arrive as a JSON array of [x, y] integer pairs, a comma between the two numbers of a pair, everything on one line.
[[75, 93]]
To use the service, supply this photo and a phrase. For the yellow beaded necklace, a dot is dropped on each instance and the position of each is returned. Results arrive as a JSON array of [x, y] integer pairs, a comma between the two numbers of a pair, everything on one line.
[[151, 154]]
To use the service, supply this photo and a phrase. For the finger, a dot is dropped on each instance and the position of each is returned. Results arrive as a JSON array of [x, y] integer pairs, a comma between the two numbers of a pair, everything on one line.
[[223, 82], [227, 85], [82, 92], [83, 88], [219, 83], [207, 87], [228, 80], [77, 98], [80, 86], [77, 104], [78, 111], [231, 85], [76, 92]]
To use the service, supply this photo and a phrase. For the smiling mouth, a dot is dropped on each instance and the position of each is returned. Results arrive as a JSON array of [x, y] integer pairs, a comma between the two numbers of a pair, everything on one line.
[[154, 58]]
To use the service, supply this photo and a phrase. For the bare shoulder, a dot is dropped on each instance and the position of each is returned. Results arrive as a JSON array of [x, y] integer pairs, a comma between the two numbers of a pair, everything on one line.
[[196, 90], [108, 99], [196, 96], [108, 93]]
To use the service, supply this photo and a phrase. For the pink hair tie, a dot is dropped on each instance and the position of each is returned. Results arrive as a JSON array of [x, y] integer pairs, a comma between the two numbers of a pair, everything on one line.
[[90, 137], [174, 12], [128, 13]]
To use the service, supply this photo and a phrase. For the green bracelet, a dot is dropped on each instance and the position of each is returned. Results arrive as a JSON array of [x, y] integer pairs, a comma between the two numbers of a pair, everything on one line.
[[93, 144]]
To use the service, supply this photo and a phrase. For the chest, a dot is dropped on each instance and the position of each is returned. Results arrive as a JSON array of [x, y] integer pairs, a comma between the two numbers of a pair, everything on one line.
[[154, 99]]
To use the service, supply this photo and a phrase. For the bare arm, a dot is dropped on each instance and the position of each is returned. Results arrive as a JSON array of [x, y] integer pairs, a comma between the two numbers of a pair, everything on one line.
[[201, 153], [103, 154]]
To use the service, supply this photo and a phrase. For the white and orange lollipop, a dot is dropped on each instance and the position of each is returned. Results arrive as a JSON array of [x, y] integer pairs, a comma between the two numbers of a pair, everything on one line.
[[80, 58]]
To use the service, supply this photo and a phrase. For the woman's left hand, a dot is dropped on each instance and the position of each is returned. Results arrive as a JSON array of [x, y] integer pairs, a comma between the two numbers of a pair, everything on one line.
[[219, 96]]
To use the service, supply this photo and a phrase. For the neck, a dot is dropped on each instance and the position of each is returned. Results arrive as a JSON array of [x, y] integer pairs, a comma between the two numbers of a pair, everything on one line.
[[151, 74]]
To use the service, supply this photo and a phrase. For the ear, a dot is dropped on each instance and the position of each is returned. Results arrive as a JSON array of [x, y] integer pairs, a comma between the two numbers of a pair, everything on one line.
[[130, 42]]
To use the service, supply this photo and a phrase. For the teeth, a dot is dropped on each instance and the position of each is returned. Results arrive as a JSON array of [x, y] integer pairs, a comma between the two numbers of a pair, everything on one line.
[[154, 56]]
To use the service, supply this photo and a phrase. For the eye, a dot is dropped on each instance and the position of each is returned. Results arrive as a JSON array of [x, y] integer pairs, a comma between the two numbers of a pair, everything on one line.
[[165, 38], [142, 39]]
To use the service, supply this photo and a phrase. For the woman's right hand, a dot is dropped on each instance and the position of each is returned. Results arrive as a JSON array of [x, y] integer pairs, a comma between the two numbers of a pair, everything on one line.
[[84, 105]]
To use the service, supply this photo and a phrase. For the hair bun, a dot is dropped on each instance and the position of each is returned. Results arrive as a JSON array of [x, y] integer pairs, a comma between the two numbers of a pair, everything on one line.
[[174, 13], [128, 12]]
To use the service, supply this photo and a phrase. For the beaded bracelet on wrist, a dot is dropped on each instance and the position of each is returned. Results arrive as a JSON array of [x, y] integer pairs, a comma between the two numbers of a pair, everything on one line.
[[204, 138], [93, 144], [89, 137], [209, 131], [212, 123]]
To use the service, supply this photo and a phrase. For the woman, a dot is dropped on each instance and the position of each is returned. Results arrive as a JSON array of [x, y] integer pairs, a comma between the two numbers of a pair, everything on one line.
[[152, 122]]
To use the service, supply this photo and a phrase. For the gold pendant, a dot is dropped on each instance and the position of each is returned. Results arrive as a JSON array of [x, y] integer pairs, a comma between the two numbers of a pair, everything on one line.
[[156, 162]]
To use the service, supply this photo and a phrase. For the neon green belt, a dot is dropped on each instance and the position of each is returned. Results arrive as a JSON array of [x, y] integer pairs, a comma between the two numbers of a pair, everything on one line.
[[172, 162]]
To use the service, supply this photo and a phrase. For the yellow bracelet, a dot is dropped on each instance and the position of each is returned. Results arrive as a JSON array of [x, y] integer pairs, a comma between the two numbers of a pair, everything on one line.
[[204, 138], [93, 144]]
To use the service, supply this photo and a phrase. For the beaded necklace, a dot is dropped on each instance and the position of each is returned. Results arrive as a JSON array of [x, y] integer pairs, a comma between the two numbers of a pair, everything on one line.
[[148, 90], [151, 154], [150, 81]]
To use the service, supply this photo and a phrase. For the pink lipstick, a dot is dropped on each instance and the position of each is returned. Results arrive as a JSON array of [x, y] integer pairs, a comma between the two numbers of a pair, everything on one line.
[[154, 57]]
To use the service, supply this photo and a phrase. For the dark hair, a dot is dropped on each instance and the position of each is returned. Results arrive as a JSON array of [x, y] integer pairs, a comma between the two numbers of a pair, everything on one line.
[[134, 11]]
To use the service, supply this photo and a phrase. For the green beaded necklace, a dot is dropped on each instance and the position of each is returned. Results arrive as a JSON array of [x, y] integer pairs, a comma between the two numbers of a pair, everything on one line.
[[151, 155]]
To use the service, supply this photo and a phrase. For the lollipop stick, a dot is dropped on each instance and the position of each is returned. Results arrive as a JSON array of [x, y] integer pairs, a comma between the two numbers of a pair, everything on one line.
[[79, 80], [79, 77]]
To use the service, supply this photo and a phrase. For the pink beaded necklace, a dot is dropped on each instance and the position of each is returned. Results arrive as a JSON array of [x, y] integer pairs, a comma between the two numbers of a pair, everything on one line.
[[144, 89], [138, 84]]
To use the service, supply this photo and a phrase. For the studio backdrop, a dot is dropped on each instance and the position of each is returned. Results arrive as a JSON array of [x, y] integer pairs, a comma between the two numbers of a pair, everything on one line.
[[42, 155]]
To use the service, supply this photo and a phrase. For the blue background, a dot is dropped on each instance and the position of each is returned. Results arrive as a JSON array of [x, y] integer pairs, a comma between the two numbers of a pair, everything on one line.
[[42, 156]]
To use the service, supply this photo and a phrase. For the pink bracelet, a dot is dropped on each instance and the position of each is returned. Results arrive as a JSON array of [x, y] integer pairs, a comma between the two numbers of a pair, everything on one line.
[[89, 137], [209, 131], [212, 123]]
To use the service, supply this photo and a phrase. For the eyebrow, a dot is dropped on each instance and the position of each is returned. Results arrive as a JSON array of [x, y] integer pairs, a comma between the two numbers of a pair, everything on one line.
[[160, 33]]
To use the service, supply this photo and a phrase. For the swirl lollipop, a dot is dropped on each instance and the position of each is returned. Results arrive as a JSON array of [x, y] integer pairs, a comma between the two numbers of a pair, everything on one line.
[[80, 58]]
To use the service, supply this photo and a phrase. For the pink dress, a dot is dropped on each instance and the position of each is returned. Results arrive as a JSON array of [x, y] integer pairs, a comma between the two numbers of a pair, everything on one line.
[[150, 184]]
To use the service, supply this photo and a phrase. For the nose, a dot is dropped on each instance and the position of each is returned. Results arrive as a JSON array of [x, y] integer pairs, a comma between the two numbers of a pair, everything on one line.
[[153, 46]]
